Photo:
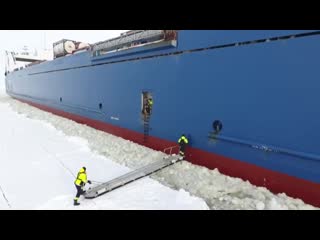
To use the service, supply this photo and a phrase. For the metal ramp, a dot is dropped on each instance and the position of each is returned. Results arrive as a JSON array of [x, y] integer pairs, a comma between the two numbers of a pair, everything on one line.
[[132, 176]]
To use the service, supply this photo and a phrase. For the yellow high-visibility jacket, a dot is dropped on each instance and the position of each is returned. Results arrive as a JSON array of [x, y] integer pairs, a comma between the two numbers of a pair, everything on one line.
[[183, 138], [81, 178]]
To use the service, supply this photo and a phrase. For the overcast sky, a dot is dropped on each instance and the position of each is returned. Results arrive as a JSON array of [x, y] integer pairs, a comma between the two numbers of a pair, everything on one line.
[[14, 40]]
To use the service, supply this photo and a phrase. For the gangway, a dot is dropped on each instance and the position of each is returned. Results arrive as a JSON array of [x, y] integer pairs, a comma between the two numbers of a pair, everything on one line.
[[132, 176]]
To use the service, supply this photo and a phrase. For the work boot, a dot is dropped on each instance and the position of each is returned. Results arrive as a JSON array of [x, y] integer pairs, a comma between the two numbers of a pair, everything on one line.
[[76, 203]]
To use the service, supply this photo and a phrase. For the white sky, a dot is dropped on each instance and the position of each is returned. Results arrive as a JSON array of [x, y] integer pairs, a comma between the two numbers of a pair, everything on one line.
[[14, 40], [35, 145]]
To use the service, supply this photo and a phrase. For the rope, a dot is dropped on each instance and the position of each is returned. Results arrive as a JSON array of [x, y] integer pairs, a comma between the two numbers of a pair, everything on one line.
[[4, 196]]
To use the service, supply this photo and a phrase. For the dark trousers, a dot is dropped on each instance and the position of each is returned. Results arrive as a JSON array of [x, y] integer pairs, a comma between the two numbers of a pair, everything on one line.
[[148, 110], [79, 191], [182, 149]]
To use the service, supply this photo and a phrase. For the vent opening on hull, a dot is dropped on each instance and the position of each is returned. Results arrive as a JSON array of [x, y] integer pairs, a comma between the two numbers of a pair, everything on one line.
[[100, 106], [217, 126], [60, 99]]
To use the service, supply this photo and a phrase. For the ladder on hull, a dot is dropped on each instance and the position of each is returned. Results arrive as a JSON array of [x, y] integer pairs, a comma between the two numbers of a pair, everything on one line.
[[146, 128]]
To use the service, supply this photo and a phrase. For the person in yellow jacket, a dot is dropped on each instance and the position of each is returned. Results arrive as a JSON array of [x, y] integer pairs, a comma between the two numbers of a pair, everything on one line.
[[183, 141], [149, 106], [150, 103], [80, 182]]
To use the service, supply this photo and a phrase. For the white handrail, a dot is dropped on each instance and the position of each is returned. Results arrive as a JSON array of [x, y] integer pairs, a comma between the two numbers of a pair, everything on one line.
[[170, 148]]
